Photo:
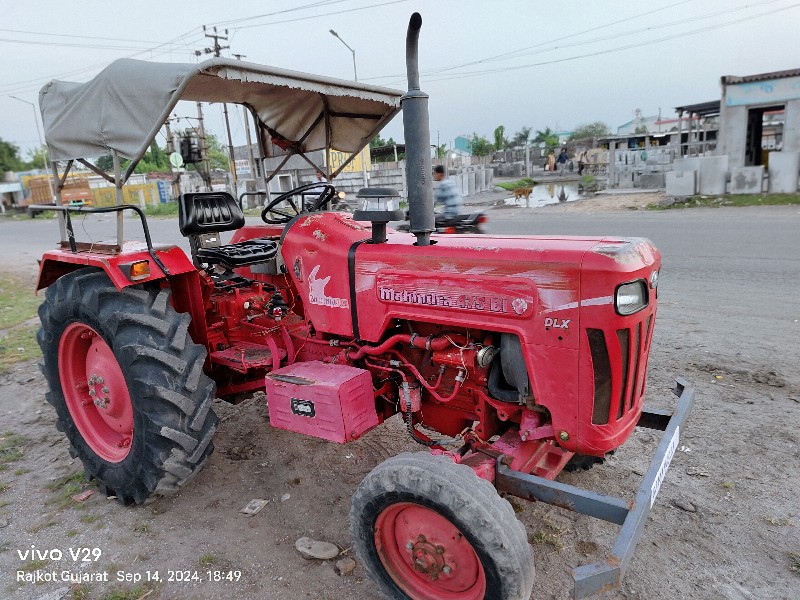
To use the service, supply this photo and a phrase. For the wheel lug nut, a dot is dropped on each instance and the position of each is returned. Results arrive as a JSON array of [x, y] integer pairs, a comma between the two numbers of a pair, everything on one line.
[[100, 380], [421, 539], [105, 389], [409, 546], [93, 393], [446, 570]]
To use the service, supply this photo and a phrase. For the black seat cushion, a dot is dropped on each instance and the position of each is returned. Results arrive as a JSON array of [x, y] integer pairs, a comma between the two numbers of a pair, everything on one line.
[[208, 212], [242, 254]]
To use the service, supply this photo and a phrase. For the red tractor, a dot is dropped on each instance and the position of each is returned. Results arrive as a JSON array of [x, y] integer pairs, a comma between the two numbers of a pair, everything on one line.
[[509, 358]]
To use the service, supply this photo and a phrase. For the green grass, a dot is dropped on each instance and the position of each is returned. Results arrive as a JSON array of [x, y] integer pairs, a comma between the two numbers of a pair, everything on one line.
[[130, 594], [512, 185], [168, 209], [44, 525], [794, 562], [80, 592], [10, 449], [18, 344], [17, 301], [34, 565], [206, 559], [732, 200], [65, 487], [17, 306], [90, 518]]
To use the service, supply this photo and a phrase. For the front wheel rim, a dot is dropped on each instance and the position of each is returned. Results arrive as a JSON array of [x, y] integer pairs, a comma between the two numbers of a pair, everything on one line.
[[95, 392], [426, 555]]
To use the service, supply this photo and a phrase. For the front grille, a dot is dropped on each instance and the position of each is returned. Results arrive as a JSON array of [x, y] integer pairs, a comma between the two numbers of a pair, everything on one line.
[[602, 376], [618, 369]]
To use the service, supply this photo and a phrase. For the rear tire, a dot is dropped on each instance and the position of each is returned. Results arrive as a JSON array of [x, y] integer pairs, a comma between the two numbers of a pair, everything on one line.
[[127, 384], [429, 529]]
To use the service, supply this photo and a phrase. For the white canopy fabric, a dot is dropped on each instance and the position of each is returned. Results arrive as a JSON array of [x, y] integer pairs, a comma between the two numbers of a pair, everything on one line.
[[122, 109]]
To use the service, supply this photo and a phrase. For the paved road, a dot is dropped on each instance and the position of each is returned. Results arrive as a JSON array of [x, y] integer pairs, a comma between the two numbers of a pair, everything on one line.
[[730, 278]]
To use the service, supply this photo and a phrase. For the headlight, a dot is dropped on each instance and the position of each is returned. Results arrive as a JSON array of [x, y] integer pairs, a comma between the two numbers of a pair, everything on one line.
[[631, 297]]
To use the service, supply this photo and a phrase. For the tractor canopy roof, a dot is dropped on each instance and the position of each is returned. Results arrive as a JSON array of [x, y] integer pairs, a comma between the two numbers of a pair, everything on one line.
[[123, 108]]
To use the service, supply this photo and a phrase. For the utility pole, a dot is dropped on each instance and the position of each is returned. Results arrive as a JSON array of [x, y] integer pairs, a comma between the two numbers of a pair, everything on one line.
[[206, 174], [176, 182], [216, 52], [42, 144], [247, 133]]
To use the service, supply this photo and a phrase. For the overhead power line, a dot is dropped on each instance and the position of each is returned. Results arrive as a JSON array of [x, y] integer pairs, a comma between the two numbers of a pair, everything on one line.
[[82, 37], [337, 12], [280, 12], [611, 50]]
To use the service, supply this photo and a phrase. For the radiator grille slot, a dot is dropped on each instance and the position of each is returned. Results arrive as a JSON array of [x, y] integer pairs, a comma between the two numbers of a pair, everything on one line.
[[624, 338], [602, 376], [637, 357]]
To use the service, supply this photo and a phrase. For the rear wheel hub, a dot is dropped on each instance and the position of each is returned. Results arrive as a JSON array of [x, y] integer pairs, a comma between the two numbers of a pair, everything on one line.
[[96, 392]]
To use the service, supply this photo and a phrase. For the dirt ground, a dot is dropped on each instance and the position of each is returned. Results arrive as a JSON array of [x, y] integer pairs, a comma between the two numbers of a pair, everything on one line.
[[725, 525]]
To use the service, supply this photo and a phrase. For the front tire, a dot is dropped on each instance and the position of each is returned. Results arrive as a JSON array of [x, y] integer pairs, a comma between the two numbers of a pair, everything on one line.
[[429, 529], [127, 384]]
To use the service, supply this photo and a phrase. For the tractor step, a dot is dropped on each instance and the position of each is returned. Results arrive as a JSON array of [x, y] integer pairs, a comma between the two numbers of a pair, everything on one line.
[[243, 356]]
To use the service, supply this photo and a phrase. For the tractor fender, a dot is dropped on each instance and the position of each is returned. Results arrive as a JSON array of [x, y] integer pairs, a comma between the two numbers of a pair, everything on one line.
[[57, 263]]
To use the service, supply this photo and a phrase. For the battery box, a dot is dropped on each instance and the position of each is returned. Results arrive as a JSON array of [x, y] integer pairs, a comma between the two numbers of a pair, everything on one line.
[[329, 401]]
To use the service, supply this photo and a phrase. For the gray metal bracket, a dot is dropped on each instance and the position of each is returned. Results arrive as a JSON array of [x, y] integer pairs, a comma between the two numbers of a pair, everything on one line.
[[632, 516]]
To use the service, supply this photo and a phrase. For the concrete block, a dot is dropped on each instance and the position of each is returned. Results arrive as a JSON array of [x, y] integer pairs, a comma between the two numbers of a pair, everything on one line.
[[470, 183], [713, 175], [459, 181], [481, 182], [681, 183], [783, 171], [747, 180], [651, 181], [519, 168], [687, 164]]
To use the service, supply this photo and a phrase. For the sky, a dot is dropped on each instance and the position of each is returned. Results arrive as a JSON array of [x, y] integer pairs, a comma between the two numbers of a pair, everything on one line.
[[514, 63]]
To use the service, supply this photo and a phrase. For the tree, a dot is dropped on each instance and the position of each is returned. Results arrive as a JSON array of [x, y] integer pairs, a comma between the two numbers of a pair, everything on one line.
[[522, 136], [106, 163], [641, 129], [589, 130], [379, 142], [9, 158], [547, 137], [500, 141], [441, 151], [154, 160], [37, 158], [217, 156], [480, 146]]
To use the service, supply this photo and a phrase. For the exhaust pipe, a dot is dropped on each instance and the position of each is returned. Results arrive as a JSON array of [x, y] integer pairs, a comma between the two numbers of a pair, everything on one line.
[[418, 143]]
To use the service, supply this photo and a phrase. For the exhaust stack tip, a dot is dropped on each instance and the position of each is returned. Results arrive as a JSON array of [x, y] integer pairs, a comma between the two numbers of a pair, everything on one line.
[[415, 22]]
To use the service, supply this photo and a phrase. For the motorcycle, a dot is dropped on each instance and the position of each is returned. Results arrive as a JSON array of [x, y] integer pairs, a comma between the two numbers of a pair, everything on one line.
[[464, 223]]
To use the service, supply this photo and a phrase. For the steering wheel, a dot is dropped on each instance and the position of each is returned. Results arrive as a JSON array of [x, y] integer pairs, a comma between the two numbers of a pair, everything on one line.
[[277, 216]]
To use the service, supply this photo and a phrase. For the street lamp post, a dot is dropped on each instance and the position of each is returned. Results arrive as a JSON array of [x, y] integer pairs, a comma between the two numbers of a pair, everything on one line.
[[355, 76], [38, 129], [41, 140]]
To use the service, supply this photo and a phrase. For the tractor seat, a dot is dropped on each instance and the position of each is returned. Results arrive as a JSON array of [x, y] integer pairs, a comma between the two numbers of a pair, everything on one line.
[[201, 218]]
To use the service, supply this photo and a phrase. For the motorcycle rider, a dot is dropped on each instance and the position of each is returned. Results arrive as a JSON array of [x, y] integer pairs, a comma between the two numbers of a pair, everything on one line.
[[446, 193]]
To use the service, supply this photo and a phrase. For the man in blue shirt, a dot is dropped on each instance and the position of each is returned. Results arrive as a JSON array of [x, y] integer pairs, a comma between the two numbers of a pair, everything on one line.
[[446, 193]]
